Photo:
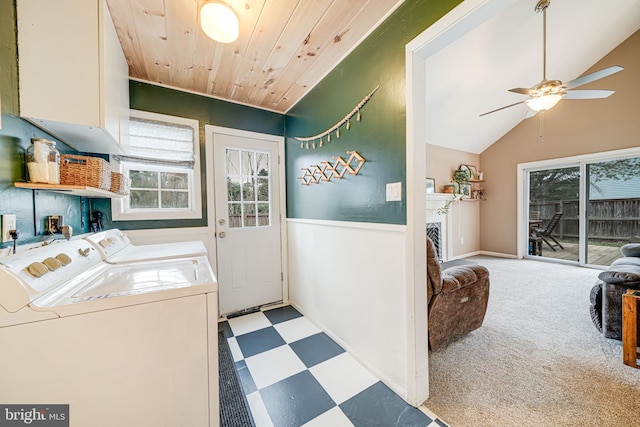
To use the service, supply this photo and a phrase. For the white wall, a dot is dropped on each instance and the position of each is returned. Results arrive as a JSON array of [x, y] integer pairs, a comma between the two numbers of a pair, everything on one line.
[[350, 279]]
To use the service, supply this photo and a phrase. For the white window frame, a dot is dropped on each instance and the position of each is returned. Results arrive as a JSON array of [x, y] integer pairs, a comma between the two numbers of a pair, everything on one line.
[[120, 206]]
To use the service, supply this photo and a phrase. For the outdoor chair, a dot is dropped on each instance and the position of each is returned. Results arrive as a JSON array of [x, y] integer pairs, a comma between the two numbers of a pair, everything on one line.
[[545, 233]]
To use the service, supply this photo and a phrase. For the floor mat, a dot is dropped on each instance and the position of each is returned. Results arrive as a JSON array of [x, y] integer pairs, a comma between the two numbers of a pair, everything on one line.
[[234, 410]]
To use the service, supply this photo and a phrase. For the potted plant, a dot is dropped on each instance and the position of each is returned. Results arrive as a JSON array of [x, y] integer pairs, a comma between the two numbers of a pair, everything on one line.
[[460, 177]]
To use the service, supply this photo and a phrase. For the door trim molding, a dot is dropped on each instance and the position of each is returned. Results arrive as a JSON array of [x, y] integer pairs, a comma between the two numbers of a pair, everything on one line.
[[209, 131]]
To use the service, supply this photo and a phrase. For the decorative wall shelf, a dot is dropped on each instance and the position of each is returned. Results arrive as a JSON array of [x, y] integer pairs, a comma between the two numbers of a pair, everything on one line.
[[73, 190]]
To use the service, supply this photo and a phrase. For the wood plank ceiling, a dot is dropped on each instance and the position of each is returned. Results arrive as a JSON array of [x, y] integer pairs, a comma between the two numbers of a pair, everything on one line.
[[285, 46]]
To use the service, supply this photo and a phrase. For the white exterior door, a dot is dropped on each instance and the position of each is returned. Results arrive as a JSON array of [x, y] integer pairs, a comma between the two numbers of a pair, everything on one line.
[[247, 219]]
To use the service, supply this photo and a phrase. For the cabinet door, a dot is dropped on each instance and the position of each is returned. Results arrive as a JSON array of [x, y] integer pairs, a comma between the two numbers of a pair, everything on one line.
[[114, 68], [59, 63]]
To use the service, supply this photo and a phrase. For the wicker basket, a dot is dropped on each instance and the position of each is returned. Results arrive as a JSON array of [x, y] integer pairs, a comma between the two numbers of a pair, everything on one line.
[[85, 171], [120, 184]]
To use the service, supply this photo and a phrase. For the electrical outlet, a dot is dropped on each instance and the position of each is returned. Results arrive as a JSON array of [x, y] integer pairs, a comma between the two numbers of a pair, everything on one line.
[[8, 224]]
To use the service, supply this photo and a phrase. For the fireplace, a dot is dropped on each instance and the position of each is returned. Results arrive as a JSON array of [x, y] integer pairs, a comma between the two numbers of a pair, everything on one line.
[[440, 223], [434, 232]]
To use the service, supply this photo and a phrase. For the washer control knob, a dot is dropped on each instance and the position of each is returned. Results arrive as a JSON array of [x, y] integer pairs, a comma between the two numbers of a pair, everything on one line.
[[63, 258], [84, 252], [52, 263], [37, 269]]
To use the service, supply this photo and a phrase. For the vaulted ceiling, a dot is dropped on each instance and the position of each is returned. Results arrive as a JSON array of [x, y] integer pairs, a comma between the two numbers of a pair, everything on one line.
[[472, 75]]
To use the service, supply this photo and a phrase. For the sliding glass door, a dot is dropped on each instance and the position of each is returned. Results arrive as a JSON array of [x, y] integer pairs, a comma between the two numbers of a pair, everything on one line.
[[613, 210], [554, 196], [583, 211]]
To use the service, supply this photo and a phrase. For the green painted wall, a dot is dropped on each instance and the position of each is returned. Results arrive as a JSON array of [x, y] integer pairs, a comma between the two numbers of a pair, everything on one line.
[[31, 207], [147, 97], [381, 136]]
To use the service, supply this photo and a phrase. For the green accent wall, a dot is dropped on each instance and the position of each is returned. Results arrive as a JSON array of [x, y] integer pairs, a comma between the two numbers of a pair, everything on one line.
[[208, 111], [381, 135]]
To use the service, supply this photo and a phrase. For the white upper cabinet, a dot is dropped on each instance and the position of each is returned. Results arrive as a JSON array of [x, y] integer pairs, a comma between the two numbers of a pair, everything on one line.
[[74, 78]]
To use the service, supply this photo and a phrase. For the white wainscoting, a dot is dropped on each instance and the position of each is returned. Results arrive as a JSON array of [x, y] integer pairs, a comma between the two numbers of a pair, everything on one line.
[[350, 279]]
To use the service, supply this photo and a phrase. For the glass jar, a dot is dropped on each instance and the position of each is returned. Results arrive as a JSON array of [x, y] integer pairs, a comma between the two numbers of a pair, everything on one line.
[[43, 161]]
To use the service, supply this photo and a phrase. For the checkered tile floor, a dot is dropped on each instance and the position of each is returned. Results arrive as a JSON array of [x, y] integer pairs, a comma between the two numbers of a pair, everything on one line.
[[293, 374]]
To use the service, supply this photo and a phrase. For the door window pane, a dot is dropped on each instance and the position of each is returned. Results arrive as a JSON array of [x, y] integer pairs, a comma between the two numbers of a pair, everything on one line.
[[263, 214], [249, 211], [233, 162], [248, 182], [248, 167], [248, 190], [262, 166], [233, 189], [263, 189], [235, 215]]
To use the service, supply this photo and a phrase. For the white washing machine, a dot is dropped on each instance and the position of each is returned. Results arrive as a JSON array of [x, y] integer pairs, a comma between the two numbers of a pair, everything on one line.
[[130, 344], [115, 248]]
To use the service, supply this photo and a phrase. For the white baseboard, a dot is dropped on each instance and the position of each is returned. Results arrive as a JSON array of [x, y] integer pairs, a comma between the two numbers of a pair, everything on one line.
[[498, 254]]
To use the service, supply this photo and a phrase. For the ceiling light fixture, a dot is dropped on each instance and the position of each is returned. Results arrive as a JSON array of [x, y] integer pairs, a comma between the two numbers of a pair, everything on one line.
[[544, 102], [219, 22]]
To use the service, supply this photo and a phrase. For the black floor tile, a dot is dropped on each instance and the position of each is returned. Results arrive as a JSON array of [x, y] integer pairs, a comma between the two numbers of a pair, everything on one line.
[[282, 314], [296, 400], [259, 341], [316, 349], [379, 406]]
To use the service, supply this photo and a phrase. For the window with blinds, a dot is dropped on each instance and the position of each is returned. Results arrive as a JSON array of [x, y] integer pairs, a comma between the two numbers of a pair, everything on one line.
[[163, 166]]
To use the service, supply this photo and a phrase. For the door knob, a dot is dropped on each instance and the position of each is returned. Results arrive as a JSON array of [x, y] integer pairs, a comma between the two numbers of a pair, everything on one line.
[[222, 234]]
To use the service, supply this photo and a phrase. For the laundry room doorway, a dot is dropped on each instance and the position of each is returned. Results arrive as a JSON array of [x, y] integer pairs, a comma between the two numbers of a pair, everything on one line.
[[245, 216]]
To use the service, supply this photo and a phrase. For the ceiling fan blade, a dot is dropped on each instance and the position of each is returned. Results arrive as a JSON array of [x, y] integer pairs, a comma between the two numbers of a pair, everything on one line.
[[588, 94], [502, 108], [523, 91], [592, 77]]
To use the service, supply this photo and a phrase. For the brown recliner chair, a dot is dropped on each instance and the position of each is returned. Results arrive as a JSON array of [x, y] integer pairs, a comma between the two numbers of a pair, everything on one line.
[[456, 297]]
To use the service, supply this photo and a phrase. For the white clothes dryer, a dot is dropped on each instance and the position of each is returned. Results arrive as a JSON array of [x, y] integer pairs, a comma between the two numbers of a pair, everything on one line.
[[115, 248], [131, 344]]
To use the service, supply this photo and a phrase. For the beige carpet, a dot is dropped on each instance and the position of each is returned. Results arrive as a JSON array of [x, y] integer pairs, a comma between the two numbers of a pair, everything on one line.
[[537, 360]]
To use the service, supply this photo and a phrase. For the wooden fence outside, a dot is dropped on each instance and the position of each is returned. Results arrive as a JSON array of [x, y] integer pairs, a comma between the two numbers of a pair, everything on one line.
[[610, 219]]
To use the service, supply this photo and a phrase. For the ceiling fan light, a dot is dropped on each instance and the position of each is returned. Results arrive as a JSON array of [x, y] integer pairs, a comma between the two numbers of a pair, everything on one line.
[[219, 22], [544, 102]]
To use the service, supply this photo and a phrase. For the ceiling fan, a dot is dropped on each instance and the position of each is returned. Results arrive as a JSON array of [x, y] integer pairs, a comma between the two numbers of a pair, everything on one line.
[[546, 94]]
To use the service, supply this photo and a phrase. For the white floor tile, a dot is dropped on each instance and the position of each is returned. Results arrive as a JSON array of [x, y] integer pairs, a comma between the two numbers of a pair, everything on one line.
[[258, 410], [235, 349], [333, 417], [248, 323], [296, 329], [343, 377], [274, 365]]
